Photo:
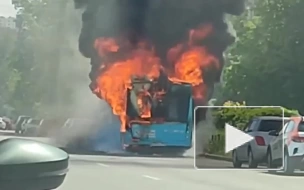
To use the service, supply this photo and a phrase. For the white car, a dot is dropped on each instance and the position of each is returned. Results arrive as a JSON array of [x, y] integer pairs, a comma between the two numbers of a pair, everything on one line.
[[287, 148], [255, 152], [20, 122], [2, 124]]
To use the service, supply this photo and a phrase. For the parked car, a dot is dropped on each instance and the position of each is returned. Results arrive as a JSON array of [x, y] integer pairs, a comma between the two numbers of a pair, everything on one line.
[[51, 127], [74, 133], [2, 124], [20, 121], [255, 152], [8, 123], [31, 127], [287, 149]]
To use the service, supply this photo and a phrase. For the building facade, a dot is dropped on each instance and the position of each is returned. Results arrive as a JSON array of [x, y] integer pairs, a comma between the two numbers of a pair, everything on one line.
[[7, 22]]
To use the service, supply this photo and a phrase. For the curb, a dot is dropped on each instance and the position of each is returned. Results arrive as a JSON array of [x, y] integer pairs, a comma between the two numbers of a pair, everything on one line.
[[216, 157]]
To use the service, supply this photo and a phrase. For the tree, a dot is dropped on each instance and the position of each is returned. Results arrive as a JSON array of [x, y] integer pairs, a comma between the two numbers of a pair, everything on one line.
[[266, 63], [8, 77], [37, 54]]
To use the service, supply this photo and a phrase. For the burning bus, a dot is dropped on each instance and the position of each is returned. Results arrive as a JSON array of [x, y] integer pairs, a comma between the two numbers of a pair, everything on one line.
[[159, 115], [153, 61]]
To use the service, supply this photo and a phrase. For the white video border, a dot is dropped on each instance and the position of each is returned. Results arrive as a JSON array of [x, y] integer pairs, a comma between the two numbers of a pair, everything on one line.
[[235, 169]]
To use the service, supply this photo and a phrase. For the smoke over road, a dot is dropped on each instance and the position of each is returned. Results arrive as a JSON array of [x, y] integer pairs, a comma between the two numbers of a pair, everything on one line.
[[183, 39]]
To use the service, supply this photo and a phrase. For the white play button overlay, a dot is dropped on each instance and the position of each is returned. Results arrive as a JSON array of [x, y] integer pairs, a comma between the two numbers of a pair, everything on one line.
[[235, 138]]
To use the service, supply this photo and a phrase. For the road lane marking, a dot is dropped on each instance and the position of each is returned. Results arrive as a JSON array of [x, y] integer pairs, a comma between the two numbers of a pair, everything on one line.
[[103, 165], [151, 177]]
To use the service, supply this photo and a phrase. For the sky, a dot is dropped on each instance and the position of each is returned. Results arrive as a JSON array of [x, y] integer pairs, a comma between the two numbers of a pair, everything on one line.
[[6, 8]]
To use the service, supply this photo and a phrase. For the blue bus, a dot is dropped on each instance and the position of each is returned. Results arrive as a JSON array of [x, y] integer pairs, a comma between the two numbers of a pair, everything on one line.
[[170, 127]]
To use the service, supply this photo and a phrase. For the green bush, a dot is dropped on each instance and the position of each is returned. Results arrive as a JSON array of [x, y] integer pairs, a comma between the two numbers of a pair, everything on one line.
[[217, 143], [239, 116]]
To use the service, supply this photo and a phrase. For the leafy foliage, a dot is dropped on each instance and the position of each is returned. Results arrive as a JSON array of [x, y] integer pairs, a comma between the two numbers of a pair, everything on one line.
[[236, 114], [30, 56], [266, 63]]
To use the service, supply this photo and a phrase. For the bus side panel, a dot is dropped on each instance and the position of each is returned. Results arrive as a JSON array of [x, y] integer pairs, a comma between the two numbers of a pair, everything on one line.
[[165, 134], [171, 134]]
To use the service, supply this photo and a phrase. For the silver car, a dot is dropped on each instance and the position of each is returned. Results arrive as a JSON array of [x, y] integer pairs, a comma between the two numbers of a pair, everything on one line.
[[255, 151]]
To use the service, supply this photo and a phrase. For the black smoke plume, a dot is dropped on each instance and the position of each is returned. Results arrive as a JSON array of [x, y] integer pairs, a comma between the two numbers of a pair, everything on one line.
[[164, 22]]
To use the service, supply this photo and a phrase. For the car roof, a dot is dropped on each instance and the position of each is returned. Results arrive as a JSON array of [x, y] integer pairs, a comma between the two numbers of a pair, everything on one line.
[[271, 118], [35, 119], [24, 116], [297, 117]]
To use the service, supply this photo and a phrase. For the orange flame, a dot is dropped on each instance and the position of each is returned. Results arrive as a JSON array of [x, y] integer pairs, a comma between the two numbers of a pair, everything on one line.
[[121, 61], [115, 77], [144, 105], [189, 61]]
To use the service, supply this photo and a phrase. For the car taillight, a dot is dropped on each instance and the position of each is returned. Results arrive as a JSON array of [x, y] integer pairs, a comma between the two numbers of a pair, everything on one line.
[[297, 139], [260, 141]]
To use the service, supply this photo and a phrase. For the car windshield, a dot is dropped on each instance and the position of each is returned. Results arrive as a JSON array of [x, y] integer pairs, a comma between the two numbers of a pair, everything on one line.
[[21, 120], [270, 125]]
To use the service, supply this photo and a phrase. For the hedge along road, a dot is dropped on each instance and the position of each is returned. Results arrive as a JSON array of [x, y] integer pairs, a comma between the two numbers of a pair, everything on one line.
[[239, 116]]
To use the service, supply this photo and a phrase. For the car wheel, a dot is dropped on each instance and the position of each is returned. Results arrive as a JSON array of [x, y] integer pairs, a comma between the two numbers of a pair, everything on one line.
[[269, 160], [235, 161], [288, 167], [270, 164], [251, 162]]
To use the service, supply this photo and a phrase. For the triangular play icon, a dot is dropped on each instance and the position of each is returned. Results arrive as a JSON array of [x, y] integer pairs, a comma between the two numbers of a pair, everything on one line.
[[235, 138]]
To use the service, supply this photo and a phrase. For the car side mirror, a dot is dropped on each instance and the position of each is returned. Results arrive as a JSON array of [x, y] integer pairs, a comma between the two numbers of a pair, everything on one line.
[[273, 133], [31, 165]]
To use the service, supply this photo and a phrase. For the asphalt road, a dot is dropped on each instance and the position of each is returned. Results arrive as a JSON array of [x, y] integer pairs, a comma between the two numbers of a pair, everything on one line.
[[136, 173], [150, 173]]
